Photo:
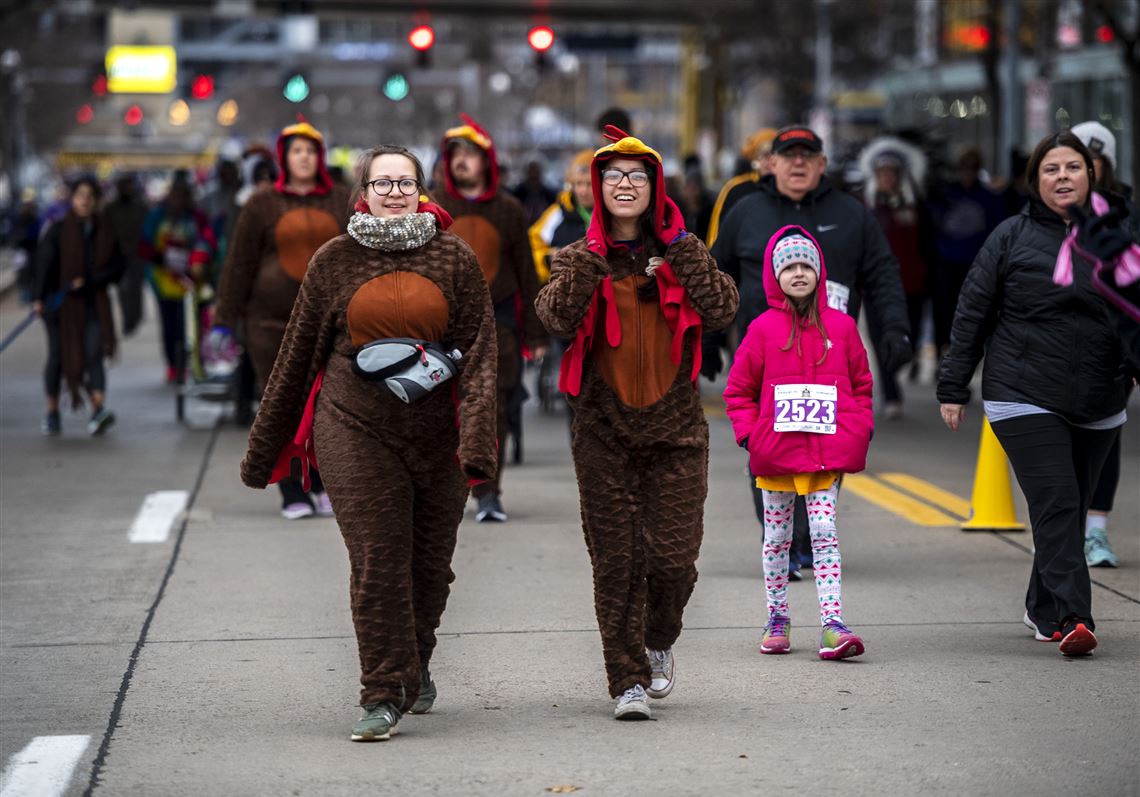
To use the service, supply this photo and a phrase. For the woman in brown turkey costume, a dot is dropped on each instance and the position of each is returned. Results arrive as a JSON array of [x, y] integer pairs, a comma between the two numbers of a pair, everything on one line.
[[277, 233], [397, 473], [634, 295]]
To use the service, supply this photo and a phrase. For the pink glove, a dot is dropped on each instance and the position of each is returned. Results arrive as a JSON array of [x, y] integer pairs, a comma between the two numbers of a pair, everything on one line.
[[673, 226]]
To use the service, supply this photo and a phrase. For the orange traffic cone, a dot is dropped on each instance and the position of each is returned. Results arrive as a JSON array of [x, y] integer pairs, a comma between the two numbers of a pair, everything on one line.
[[991, 506]]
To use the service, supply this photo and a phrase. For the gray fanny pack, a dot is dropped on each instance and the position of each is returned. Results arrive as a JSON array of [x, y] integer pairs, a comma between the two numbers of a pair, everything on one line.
[[410, 368]]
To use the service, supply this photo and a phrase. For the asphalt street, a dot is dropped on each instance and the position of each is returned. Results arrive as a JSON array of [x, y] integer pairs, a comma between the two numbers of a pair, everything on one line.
[[219, 659]]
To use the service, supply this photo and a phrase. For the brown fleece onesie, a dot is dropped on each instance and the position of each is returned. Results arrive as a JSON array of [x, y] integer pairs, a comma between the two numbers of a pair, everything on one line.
[[640, 444], [276, 235], [496, 229], [396, 473]]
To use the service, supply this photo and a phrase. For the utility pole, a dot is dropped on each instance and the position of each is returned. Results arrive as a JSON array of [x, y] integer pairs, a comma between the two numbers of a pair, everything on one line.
[[1011, 132], [821, 101]]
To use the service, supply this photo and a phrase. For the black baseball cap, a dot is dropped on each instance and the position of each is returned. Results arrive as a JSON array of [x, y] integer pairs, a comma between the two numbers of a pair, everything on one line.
[[796, 136]]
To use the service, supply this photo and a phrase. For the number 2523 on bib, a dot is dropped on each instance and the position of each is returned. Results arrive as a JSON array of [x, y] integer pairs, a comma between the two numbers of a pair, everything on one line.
[[805, 408]]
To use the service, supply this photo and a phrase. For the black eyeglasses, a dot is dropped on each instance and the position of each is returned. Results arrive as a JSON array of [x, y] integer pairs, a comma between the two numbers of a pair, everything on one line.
[[637, 178], [383, 187]]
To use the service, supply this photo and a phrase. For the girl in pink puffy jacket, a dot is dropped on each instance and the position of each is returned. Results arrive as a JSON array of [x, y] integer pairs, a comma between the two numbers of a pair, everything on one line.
[[799, 398]]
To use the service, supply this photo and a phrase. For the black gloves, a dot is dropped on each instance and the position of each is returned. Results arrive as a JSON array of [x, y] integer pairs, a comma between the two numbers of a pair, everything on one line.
[[1103, 237], [711, 364], [895, 351]]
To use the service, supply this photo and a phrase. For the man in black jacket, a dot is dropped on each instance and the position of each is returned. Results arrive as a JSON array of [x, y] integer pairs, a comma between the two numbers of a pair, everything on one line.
[[859, 260]]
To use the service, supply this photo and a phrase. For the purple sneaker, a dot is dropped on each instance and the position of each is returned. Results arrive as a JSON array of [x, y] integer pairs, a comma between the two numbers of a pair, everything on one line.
[[836, 641], [777, 635]]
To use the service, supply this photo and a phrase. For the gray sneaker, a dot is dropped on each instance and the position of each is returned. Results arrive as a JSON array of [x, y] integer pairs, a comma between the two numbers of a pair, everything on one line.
[[490, 510], [101, 420], [661, 671], [427, 696], [378, 723], [51, 425], [632, 705], [1097, 552]]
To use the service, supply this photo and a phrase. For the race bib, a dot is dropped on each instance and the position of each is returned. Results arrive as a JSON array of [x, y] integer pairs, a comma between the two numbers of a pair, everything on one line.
[[805, 408], [838, 295]]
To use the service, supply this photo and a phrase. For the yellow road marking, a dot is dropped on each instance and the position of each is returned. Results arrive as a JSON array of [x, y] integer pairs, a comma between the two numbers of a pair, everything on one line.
[[929, 492], [714, 409], [894, 501]]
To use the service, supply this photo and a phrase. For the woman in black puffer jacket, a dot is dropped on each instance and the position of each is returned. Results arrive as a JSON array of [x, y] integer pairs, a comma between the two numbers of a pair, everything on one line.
[[1052, 386]]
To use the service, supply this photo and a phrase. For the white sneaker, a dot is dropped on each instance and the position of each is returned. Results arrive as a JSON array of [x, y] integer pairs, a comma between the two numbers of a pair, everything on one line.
[[632, 705], [296, 511], [661, 671], [324, 504], [1036, 633]]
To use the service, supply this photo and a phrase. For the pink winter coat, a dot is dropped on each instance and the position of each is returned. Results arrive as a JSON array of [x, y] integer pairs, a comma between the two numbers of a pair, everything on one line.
[[760, 365]]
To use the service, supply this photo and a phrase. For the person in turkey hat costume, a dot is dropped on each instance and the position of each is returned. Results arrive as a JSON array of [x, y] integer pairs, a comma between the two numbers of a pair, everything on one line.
[[633, 296], [278, 231], [397, 472]]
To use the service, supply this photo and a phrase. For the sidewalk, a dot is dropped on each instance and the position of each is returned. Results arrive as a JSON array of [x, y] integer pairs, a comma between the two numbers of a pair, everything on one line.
[[247, 685]]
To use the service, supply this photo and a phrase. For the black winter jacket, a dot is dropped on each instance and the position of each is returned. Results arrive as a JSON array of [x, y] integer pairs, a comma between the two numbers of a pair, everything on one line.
[[1045, 344], [854, 248]]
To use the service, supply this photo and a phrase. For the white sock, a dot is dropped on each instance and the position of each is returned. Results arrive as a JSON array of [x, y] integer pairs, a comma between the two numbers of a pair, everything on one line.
[[1094, 522]]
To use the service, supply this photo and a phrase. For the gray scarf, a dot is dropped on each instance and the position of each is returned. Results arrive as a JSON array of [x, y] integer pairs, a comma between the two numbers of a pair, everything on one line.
[[396, 234]]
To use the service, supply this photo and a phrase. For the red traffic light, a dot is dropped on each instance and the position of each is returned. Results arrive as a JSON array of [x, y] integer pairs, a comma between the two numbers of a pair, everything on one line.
[[1104, 34], [99, 86], [540, 38], [422, 37], [133, 116], [85, 114], [202, 87]]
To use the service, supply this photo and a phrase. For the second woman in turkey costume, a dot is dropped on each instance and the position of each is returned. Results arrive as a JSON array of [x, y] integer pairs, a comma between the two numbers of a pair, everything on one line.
[[633, 296], [397, 473]]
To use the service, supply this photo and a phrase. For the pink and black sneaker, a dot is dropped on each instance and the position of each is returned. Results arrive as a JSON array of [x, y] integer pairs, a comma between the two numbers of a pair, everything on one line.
[[837, 641]]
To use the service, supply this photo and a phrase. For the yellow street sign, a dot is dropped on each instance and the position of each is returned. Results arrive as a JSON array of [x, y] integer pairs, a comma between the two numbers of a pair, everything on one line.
[[141, 70]]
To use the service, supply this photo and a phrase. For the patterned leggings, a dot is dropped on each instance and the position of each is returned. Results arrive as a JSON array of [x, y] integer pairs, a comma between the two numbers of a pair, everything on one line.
[[779, 508]]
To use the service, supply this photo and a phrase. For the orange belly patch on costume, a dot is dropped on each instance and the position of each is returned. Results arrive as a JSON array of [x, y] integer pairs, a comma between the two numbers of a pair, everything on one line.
[[397, 305], [481, 236], [639, 370], [298, 234]]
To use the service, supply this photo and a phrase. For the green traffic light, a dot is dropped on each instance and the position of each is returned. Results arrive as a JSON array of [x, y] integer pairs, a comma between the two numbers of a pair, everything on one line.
[[396, 87], [296, 88]]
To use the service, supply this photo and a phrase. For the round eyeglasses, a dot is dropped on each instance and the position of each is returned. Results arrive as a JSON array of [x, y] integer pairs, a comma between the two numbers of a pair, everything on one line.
[[384, 187], [637, 178]]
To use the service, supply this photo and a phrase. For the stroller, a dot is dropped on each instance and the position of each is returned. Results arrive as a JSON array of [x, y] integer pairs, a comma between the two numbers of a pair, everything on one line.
[[201, 378]]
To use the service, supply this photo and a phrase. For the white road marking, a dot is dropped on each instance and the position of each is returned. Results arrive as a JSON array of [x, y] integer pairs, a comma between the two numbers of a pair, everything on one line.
[[44, 767], [157, 515]]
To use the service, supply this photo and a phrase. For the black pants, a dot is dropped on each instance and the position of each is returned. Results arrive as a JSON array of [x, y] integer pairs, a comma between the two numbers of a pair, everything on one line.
[[172, 314], [92, 355], [915, 304], [1105, 492], [1057, 466], [130, 290], [948, 279], [293, 492]]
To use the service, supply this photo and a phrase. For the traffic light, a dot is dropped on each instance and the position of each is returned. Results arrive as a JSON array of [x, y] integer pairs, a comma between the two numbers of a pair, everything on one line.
[[85, 114], [202, 87], [422, 37], [296, 87], [395, 86], [133, 116], [540, 38]]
